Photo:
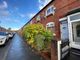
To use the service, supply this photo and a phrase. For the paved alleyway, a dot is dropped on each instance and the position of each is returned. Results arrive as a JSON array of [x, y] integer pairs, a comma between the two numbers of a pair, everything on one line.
[[18, 50]]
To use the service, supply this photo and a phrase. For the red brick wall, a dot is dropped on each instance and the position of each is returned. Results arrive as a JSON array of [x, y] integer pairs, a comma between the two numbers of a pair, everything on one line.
[[62, 8]]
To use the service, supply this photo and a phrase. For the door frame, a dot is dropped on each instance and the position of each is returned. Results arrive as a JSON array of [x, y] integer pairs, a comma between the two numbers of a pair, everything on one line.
[[72, 43]]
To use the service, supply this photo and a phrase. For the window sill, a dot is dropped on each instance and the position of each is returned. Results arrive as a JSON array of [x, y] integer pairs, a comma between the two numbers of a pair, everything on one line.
[[49, 15]]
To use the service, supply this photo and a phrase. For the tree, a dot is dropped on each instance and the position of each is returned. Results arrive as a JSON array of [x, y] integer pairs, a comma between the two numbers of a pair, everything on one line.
[[9, 29]]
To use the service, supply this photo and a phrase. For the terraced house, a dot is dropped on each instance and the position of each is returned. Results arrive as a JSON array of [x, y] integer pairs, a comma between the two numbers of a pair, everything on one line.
[[62, 17], [2, 29]]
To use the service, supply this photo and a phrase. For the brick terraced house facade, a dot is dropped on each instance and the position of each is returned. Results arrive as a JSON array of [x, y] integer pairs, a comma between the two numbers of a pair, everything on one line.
[[62, 17], [2, 29]]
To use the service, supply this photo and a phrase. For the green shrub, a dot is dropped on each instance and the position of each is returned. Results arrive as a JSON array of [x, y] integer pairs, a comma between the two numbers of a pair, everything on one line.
[[37, 36]]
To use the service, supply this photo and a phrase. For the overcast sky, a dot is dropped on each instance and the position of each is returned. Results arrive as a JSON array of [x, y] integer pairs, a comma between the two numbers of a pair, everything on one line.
[[15, 13]]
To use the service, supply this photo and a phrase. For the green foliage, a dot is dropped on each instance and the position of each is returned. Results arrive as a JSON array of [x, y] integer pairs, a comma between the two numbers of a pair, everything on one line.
[[39, 41], [37, 36]]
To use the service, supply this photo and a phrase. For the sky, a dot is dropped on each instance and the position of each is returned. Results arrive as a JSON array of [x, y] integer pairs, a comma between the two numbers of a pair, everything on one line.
[[15, 13]]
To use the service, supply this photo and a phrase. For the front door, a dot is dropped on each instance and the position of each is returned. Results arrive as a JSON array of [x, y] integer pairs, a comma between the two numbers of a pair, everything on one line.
[[64, 36]]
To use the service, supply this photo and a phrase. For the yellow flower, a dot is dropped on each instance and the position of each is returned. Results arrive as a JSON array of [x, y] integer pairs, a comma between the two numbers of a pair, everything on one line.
[[30, 41]]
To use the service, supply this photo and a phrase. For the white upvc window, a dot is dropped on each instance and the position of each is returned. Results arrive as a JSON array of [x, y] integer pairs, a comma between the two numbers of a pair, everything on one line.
[[50, 26], [50, 10], [38, 18]]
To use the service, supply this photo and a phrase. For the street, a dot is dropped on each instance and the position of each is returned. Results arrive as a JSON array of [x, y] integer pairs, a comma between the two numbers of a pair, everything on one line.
[[16, 49]]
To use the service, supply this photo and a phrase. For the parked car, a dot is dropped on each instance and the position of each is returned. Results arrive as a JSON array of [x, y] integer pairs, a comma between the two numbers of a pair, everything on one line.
[[3, 38], [14, 33], [10, 34]]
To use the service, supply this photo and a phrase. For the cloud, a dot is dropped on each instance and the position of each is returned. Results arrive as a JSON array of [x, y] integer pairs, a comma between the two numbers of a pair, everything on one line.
[[43, 3], [4, 13], [16, 8], [10, 20], [31, 15], [3, 5], [3, 9], [22, 15], [16, 21], [27, 15], [15, 29]]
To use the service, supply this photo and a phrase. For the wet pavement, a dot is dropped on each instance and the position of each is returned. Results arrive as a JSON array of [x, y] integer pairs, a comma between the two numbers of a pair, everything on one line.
[[4, 50], [18, 50]]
